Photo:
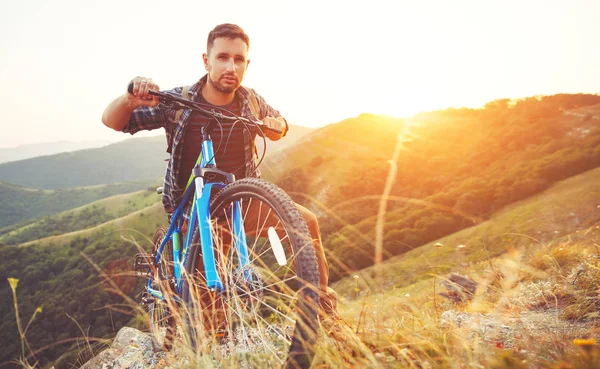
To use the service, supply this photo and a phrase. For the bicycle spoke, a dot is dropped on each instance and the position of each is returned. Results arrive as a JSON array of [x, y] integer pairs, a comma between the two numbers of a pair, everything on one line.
[[281, 281], [271, 308], [258, 217], [277, 293], [272, 290], [247, 208], [261, 336], [260, 308], [263, 339]]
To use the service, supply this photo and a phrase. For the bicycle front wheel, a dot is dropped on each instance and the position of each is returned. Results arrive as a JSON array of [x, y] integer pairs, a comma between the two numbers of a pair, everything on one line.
[[267, 314]]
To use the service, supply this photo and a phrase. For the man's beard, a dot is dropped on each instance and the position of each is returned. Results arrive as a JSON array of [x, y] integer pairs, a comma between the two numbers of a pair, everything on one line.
[[221, 88]]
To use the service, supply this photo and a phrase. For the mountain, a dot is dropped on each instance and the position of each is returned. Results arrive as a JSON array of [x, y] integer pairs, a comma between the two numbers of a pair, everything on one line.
[[567, 210], [535, 278], [61, 275], [450, 173], [292, 136], [47, 148], [129, 160], [53, 274], [80, 218], [453, 169], [21, 204]]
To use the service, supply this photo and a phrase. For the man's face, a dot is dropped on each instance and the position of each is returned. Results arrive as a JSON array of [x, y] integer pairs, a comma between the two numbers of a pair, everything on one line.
[[226, 63]]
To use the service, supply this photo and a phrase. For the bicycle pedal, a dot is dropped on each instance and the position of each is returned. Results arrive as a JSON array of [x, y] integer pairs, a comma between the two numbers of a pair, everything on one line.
[[147, 300], [221, 336], [143, 264]]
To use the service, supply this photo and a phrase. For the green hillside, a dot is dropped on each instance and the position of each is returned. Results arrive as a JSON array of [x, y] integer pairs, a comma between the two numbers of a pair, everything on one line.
[[21, 204], [454, 169], [469, 171], [56, 267], [129, 160], [536, 267], [86, 216], [566, 208], [53, 274]]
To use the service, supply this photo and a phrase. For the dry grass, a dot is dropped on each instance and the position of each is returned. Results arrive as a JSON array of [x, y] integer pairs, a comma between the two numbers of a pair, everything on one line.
[[520, 317], [535, 307], [530, 306], [536, 304]]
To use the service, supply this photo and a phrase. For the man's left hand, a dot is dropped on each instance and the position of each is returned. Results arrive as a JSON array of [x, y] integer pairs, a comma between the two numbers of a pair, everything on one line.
[[275, 123]]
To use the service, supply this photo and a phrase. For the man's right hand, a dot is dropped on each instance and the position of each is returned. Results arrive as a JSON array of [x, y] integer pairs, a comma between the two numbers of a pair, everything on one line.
[[140, 96], [118, 112]]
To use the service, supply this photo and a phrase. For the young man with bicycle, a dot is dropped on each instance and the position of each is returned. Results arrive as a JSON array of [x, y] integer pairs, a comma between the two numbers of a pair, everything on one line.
[[225, 61]]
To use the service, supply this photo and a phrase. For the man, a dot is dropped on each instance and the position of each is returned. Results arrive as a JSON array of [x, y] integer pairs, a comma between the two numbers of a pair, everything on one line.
[[225, 62]]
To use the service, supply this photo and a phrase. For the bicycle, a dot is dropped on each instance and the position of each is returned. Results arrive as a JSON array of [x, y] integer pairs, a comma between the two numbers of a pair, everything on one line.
[[256, 288]]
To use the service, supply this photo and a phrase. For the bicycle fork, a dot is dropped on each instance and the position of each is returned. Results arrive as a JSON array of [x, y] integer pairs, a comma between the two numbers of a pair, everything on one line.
[[213, 280]]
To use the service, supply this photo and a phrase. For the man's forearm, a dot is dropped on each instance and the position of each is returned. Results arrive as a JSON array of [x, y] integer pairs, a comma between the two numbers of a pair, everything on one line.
[[117, 113]]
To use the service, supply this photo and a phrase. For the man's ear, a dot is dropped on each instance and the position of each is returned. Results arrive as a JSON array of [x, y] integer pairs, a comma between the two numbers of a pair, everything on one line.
[[205, 59], [247, 63]]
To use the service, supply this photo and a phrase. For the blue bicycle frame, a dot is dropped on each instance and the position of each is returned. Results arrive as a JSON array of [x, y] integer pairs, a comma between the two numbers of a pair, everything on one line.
[[200, 215]]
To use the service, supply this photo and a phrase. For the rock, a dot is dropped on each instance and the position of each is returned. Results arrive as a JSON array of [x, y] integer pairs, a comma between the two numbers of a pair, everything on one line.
[[130, 337], [131, 349], [380, 357], [458, 288], [106, 356], [488, 328]]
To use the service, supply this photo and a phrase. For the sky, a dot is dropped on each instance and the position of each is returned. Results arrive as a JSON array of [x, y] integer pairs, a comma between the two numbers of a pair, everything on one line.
[[318, 62]]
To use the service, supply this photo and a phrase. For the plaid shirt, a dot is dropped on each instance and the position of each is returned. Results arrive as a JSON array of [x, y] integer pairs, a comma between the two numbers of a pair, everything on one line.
[[149, 118]]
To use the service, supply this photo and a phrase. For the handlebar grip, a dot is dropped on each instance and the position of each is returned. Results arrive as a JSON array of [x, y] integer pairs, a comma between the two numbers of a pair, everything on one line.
[[278, 131], [130, 88]]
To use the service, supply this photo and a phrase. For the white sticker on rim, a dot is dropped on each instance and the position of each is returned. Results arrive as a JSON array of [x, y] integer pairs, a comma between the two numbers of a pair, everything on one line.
[[276, 246]]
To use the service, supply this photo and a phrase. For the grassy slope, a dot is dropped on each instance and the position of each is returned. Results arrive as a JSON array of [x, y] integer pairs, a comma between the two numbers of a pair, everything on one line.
[[22, 204], [550, 239], [58, 273], [83, 217], [337, 141], [588, 110], [128, 160], [139, 224], [563, 209]]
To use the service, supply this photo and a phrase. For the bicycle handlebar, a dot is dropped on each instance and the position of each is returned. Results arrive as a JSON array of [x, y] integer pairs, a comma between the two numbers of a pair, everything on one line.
[[176, 100]]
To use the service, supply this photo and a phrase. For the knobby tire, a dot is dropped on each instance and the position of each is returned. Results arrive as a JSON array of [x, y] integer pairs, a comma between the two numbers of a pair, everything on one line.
[[301, 265]]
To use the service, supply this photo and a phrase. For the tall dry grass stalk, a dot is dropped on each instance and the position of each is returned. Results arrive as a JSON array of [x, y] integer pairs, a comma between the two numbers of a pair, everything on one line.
[[24, 359]]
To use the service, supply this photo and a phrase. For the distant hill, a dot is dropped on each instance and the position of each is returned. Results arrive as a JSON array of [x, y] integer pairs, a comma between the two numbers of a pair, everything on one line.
[[129, 160], [20, 204], [53, 275], [292, 136], [83, 217], [589, 112], [47, 148]]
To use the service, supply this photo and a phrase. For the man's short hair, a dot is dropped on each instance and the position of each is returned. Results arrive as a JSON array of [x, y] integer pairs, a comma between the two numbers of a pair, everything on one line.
[[226, 30]]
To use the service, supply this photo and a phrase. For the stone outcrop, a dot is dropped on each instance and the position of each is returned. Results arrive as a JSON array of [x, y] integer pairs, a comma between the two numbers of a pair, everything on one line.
[[459, 289], [131, 349]]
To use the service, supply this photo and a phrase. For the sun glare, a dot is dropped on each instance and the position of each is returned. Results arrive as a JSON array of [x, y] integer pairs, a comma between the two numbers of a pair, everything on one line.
[[379, 57]]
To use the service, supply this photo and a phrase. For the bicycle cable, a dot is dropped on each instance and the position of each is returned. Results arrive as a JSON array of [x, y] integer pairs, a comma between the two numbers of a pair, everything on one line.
[[211, 115]]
